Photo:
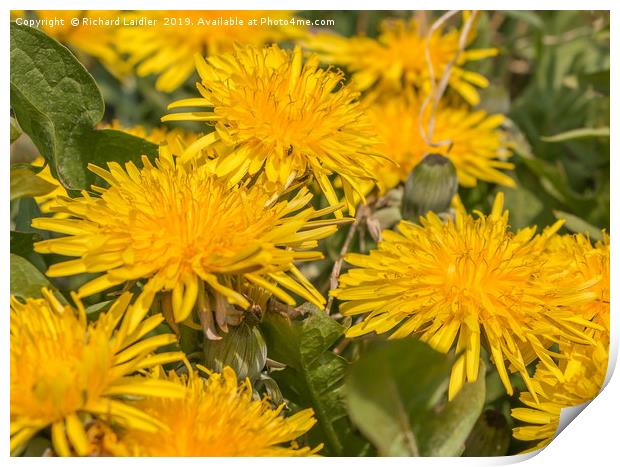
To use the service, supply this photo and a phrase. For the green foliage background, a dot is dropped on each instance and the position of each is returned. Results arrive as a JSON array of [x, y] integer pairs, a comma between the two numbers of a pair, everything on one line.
[[551, 79]]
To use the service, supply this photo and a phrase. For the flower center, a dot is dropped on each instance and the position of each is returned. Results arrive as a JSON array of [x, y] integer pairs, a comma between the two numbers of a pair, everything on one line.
[[58, 371]]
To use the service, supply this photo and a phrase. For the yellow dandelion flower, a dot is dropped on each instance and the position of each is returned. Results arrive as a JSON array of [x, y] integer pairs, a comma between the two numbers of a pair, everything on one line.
[[397, 57], [274, 113], [583, 370], [89, 36], [219, 418], [579, 263], [64, 370], [584, 262], [184, 231], [462, 280], [176, 140], [471, 139], [168, 47]]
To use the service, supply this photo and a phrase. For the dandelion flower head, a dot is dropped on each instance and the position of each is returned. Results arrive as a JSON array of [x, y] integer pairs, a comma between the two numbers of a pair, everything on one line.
[[275, 114], [586, 262], [64, 370], [167, 48], [186, 232], [471, 139], [458, 281], [583, 370], [219, 417], [397, 57]]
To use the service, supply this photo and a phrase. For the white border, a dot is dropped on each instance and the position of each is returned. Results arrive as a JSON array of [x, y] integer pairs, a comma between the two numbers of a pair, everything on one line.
[[592, 440]]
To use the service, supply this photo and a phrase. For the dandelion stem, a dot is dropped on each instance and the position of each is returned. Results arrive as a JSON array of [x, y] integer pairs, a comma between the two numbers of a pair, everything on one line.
[[333, 278]]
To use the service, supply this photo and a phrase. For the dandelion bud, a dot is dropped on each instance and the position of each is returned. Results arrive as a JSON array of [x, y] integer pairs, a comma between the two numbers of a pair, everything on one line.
[[430, 187], [243, 348]]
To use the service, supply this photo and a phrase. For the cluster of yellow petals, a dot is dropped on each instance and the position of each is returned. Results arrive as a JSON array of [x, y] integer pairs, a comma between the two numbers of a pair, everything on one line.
[[281, 118], [83, 381], [396, 58], [583, 366], [65, 370], [218, 417], [582, 261], [164, 42], [465, 279], [167, 48], [583, 373], [186, 232], [471, 139], [176, 141]]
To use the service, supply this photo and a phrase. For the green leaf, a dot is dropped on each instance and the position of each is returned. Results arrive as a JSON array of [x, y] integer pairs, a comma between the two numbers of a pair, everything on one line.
[[57, 103], [579, 133], [24, 182], [391, 385], [16, 132], [314, 376], [578, 225], [37, 447], [26, 280], [22, 242], [443, 431], [494, 387]]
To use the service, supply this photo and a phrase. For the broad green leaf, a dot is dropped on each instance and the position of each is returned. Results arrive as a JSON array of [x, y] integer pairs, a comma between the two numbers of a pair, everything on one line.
[[22, 242], [26, 210], [314, 376], [57, 103], [36, 447], [26, 280], [579, 133], [494, 387], [24, 182], [442, 431], [578, 225], [16, 132], [390, 387]]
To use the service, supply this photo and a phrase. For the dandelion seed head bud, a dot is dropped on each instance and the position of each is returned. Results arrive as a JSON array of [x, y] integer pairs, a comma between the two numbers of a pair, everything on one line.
[[430, 187]]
